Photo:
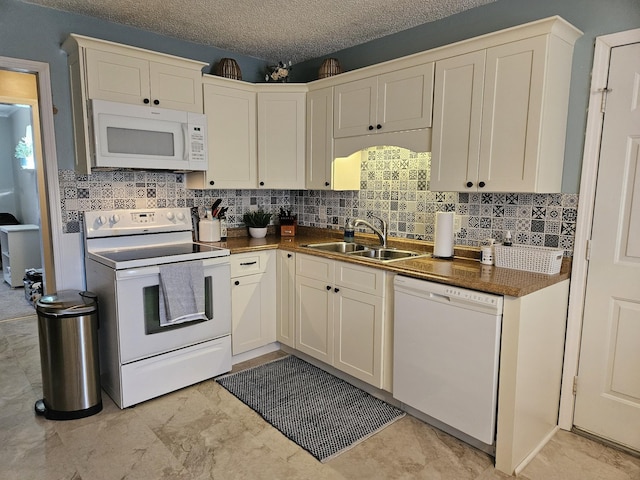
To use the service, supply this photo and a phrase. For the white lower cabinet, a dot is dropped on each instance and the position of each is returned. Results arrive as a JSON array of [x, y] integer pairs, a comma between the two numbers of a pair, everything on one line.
[[253, 300], [343, 317], [285, 303]]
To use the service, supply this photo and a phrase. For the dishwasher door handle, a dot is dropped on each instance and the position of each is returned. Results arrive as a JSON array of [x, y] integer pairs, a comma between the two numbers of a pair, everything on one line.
[[439, 298]]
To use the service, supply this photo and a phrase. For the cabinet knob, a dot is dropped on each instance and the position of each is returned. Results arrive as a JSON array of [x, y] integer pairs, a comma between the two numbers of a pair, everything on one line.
[[145, 101], [326, 184], [336, 290], [237, 282], [262, 184], [211, 182], [328, 287], [481, 184], [156, 102], [378, 126], [370, 127], [469, 184], [289, 255]]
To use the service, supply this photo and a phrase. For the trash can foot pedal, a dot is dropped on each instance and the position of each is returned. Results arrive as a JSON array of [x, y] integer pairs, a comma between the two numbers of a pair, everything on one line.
[[40, 407]]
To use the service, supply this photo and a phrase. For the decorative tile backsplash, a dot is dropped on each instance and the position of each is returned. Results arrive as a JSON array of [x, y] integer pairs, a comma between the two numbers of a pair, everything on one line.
[[394, 185]]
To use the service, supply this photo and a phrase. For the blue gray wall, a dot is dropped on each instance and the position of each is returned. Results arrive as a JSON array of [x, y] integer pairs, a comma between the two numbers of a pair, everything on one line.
[[35, 33], [593, 17]]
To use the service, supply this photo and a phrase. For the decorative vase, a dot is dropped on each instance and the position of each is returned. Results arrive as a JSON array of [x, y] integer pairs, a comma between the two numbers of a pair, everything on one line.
[[329, 68], [228, 68], [258, 232]]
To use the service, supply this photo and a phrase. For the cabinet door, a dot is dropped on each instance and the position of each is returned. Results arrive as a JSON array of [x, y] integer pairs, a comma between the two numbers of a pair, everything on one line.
[[314, 318], [358, 319], [252, 312], [115, 77], [457, 116], [354, 110], [319, 139], [174, 87], [231, 139], [405, 99], [285, 301], [511, 117], [281, 138]]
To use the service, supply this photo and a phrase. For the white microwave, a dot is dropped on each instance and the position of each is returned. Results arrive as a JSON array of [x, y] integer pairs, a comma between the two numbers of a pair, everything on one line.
[[149, 138]]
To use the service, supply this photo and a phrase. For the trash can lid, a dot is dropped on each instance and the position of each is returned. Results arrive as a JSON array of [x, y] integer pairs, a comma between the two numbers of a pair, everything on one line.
[[68, 302]]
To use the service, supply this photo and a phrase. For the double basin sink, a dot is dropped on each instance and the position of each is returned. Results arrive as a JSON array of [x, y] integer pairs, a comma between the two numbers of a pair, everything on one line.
[[367, 252]]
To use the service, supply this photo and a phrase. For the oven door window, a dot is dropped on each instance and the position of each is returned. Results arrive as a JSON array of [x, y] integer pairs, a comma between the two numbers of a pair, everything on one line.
[[151, 301]]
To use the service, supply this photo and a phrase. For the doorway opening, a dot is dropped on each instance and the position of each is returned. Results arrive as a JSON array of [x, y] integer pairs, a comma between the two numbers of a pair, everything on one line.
[[29, 192]]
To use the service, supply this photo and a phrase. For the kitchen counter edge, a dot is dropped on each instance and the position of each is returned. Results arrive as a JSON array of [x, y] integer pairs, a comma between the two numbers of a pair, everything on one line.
[[463, 271]]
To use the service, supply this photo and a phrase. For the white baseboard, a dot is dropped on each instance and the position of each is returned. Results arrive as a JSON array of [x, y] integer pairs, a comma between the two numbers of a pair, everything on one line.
[[535, 451], [256, 352]]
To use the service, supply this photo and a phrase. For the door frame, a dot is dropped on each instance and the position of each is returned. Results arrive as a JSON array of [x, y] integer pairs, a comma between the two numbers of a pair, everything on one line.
[[47, 175], [584, 222]]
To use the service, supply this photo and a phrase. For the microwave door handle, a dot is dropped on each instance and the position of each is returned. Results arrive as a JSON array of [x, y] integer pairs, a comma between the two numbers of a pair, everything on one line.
[[185, 141]]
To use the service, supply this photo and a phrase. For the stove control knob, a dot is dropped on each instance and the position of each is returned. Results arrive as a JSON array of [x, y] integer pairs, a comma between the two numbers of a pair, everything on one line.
[[169, 215], [115, 218], [180, 216], [101, 220]]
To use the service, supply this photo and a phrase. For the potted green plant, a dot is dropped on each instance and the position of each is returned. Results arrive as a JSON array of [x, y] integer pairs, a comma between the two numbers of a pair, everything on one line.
[[257, 222], [23, 152]]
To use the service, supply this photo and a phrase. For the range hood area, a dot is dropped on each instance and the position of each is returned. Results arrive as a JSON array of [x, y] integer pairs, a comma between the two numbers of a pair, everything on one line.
[[348, 153], [414, 140]]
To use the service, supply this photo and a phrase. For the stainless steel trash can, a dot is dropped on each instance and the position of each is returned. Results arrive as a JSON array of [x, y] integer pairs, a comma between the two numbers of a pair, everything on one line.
[[68, 333]]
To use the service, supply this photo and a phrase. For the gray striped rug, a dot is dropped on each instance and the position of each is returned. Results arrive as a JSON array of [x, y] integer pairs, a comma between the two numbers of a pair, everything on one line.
[[321, 413]]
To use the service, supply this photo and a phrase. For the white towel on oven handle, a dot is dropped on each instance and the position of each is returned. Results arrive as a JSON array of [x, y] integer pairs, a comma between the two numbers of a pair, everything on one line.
[[181, 293]]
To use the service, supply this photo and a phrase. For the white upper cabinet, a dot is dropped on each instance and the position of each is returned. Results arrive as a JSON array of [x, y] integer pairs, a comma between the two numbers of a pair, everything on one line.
[[231, 136], [500, 116], [140, 81], [323, 170], [104, 70], [390, 102], [457, 119], [281, 139], [256, 138], [319, 142]]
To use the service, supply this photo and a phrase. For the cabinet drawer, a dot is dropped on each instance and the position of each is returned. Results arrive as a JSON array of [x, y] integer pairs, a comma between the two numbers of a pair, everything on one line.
[[362, 279], [248, 263], [315, 267]]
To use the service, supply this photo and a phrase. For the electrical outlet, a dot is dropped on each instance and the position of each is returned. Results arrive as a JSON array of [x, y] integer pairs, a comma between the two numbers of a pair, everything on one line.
[[457, 223]]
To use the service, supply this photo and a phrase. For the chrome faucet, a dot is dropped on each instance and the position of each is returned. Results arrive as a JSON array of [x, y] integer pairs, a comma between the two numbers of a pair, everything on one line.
[[381, 233]]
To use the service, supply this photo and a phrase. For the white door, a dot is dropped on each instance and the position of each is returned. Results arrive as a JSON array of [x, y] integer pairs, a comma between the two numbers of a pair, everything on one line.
[[608, 388]]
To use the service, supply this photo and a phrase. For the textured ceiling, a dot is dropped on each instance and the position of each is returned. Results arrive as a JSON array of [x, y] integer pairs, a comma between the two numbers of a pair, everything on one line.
[[272, 30]]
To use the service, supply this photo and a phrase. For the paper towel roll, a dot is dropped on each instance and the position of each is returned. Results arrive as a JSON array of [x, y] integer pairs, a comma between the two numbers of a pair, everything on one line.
[[443, 245]]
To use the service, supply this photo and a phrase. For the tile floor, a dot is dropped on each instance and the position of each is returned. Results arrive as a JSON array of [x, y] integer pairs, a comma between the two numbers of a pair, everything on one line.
[[203, 432]]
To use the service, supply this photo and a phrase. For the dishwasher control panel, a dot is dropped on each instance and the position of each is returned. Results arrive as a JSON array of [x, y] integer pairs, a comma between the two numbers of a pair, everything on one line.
[[472, 295], [440, 292]]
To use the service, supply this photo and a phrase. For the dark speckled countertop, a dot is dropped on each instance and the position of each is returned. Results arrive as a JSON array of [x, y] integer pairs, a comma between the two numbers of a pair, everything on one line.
[[463, 271]]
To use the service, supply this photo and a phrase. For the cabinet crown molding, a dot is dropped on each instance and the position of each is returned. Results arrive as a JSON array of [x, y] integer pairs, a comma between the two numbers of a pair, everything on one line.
[[75, 41]]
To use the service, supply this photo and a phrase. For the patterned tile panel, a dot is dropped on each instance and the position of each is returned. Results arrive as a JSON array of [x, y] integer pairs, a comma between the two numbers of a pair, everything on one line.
[[394, 185]]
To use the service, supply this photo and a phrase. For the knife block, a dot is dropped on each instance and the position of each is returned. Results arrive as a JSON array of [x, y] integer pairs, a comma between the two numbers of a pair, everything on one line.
[[288, 230]]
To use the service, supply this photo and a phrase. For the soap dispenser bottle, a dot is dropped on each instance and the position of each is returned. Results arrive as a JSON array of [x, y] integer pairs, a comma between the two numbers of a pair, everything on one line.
[[349, 231], [507, 239]]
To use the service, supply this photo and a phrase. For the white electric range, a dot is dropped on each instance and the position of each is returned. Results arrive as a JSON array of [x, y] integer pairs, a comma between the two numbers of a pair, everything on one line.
[[140, 357]]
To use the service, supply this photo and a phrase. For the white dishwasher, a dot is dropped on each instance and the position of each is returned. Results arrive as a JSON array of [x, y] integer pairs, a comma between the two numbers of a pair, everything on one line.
[[446, 354]]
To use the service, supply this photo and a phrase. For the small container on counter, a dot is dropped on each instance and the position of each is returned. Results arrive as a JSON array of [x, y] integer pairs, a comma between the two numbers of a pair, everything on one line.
[[487, 252], [349, 232], [507, 239], [288, 223], [209, 229]]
